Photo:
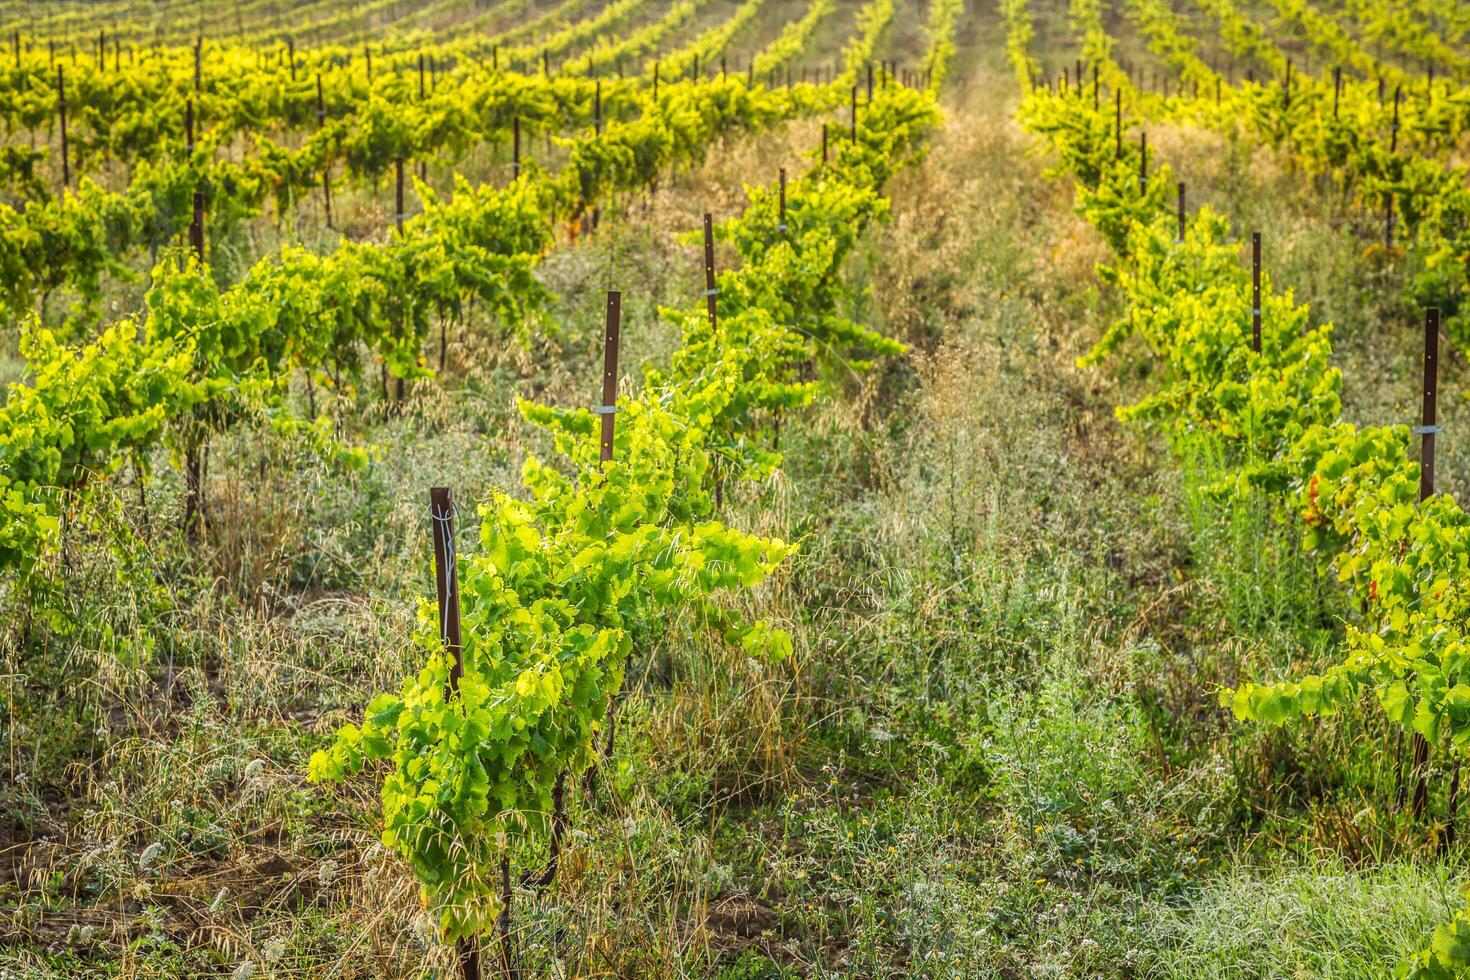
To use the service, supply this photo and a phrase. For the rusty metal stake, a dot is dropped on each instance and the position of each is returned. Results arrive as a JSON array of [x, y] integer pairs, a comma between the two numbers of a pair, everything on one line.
[[608, 410], [398, 194], [1143, 163], [1256, 291], [1426, 431], [709, 273], [321, 121], [196, 227], [781, 223], [1181, 212], [1393, 145]]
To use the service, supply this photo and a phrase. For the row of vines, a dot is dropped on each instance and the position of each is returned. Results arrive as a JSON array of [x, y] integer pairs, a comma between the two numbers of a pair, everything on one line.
[[200, 357], [483, 741], [1268, 405]]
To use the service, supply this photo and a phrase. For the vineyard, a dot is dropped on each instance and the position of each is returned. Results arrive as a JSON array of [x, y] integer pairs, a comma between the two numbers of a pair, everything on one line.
[[734, 488]]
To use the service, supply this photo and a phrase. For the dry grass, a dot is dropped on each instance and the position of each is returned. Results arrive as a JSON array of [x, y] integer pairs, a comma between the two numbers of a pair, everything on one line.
[[995, 750]]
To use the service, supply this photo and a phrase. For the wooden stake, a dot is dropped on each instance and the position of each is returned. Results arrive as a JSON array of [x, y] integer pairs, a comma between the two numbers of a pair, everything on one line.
[[502, 924], [196, 227], [1143, 163], [1393, 134], [321, 121], [446, 588], [423, 164], [1181, 212], [446, 584], [1393, 146], [61, 111], [1118, 123], [710, 292], [398, 194]]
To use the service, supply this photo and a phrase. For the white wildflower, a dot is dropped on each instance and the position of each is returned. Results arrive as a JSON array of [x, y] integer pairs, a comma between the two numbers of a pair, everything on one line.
[[150, 854]]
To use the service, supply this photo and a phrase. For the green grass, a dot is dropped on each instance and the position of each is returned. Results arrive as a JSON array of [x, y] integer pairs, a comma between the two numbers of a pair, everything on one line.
[[1321, 920]]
